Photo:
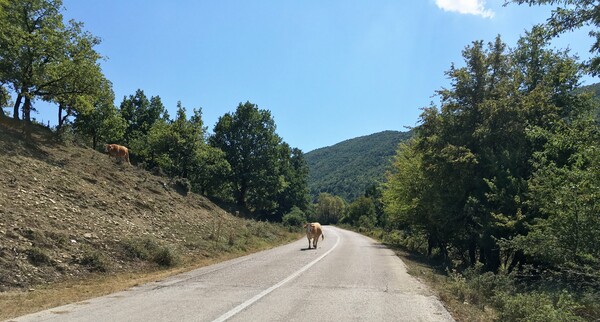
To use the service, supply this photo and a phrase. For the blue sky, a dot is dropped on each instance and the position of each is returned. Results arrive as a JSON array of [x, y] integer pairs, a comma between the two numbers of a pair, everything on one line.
[[327, 70]]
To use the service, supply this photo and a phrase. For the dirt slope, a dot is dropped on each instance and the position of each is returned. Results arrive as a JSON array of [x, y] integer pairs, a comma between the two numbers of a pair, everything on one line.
[[66, 211]]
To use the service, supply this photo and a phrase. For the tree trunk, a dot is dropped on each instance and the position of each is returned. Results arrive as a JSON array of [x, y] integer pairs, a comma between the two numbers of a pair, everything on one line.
[[241, 200], [518, 261], [27, 110], [17, 107], [94, 139], [430, 245], [60, 118], [472, 251]]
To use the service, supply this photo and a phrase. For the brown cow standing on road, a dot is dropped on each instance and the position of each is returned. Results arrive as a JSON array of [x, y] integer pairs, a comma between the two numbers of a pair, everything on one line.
[[117, 151], [313, 231]]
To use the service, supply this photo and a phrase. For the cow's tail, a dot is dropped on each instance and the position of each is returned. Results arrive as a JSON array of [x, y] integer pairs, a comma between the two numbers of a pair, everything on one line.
[[322, 236]]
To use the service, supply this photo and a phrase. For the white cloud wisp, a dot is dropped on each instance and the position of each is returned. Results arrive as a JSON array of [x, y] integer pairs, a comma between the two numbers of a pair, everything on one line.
[[473, 7]]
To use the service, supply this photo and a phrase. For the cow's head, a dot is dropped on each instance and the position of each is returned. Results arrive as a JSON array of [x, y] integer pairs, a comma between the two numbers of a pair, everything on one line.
[[309, 227]]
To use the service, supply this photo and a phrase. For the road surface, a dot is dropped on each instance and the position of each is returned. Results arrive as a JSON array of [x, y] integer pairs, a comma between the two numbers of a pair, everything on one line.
[[349, 277]]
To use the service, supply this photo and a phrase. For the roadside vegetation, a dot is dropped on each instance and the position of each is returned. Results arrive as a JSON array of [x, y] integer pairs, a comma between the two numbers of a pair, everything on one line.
[[495, 199], [243, 161], [71, 217]]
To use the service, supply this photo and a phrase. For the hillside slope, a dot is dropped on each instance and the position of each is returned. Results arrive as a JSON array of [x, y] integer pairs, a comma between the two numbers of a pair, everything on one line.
[[346, 169], [67, 211]]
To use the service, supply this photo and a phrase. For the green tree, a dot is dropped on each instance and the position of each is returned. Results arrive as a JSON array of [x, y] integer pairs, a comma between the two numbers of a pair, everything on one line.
[[410, 199], [211, 174], [103, 122], [330, 209], [565, 190], [295, 218], [171, 145], [375, 193], [79, 79], [471, 158], [4, 100], [189, 137], [251, 146], [573, 15], [141, 113], [44, 58], [361, 213], [293, 171]]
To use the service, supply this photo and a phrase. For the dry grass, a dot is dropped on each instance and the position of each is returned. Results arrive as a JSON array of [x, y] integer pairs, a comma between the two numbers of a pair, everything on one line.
[[428, 273], [72, 221], [17, 303], [432, 274]]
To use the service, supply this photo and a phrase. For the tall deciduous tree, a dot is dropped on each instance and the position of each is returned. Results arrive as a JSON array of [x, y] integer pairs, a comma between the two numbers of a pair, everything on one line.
[[330, 209], [41, 57], [141, 113], [257, 158], [570, 15], [102, 123], [293, 171], [565, 191], [472, 157]]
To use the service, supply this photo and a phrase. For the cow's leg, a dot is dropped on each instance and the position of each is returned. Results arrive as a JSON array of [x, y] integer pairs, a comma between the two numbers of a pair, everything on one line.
[[315, 241], [308, 242]]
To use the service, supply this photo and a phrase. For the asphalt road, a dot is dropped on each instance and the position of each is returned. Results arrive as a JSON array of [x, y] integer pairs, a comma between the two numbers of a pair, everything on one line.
[[348, 278]]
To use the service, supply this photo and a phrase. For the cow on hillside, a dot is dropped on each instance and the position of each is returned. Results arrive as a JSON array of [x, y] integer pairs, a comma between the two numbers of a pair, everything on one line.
[[313, 231], [118, 151]]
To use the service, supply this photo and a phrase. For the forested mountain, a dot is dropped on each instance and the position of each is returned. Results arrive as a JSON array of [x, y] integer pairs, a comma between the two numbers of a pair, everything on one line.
[[346, 169]]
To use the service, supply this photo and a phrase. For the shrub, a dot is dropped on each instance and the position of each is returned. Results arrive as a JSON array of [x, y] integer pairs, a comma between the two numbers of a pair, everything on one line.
[[366, 223], [38, 256], [479, 288], [183, 185], [95, 261], [166, 257], [149, 249], [295, 218], [141, 248], [537, 306]]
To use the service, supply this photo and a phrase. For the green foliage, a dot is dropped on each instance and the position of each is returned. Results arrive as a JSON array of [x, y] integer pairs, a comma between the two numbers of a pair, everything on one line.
[[330, 209], [38, 256], [166, 257], [295, 218], [404, 189], [102, 124], [565, 189], [348, 168], [150, 249], [141, 248], [4, 99], [293, 178], [95, 261], [183, 185], [45, 58], [505, 173], [573, 14], [537, 306], [140, 115], [361, 213], [267, 176], [211, 174], [250, 144], [464, 180]]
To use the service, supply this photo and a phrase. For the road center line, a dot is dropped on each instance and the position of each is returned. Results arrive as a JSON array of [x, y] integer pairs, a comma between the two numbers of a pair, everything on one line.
[[262, 294]]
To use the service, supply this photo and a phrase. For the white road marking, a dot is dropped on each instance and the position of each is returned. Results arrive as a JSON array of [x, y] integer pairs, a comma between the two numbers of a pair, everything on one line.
[[262, 294]]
